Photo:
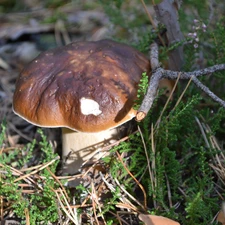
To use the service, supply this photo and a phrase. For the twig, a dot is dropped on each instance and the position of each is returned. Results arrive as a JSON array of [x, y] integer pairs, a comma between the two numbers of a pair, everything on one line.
[[208, 92], [197, 73], [154, 56], [159, 73]]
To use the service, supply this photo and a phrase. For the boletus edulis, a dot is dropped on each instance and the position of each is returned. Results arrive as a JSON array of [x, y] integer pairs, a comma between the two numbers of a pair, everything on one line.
[[87, 88]]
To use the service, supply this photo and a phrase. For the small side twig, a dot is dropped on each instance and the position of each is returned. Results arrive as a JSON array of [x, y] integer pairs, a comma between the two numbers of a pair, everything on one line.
[[208, 92]]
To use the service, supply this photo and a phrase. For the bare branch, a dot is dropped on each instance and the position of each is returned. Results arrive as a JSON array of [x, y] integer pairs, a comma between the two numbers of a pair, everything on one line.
[[150, 95], [153, 84], [154, 56], [187, 75], [159, 73], [208, 92]]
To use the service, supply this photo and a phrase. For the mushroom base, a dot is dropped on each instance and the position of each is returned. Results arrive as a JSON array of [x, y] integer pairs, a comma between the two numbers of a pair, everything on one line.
[[81, 148]]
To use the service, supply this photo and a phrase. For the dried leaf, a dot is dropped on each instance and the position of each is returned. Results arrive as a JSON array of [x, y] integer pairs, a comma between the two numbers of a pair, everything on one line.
[[167, 85], [221, 217], [156, 220]]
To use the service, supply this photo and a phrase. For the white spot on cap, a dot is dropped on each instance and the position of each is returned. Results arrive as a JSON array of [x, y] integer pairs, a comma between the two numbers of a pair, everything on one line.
[[89, 106]]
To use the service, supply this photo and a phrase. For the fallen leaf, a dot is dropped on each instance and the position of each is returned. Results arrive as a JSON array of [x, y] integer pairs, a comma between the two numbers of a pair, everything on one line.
[[156, 220], [221, 214], [167, 85], [221, 217]]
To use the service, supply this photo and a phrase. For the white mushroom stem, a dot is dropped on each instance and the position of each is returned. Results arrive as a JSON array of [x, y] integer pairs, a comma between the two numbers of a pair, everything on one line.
[[79, 147]]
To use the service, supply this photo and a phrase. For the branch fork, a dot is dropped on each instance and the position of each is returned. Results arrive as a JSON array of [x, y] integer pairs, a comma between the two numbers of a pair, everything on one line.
[[159, 73]]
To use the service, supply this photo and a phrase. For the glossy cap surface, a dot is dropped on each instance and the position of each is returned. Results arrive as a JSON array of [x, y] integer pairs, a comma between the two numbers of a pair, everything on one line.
[[85, 86]]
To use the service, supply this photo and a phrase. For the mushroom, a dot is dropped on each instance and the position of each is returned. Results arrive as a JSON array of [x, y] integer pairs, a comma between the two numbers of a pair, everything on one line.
[[87, 88]]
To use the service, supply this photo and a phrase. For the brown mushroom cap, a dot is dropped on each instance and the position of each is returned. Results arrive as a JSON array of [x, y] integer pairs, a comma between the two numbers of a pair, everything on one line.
[[86, 86]]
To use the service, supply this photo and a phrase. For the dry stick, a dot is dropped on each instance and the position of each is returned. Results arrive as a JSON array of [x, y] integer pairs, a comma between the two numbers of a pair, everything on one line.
[[159, 73], [153, 84], [197, 73], [154, 56], [150, 95], [208, 92]]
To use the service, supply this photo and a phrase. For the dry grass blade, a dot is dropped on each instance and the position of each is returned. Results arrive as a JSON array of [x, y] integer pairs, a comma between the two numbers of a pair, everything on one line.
[[121, 198], [202, 132], [68, 212], [168, 100], [182, 94], [152, 21], [37, 170], [218, 164], [1, 208], [61, 32], [153, 168], [95, 203], [126, 206], [16, 172], [27, 216], [137, 182], [129, 195], [150, 169], [119, 219], [58, 181], [169, 191]]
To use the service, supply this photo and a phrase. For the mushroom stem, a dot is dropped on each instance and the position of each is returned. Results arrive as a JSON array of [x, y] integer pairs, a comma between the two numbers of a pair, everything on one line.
[[80, 147]]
